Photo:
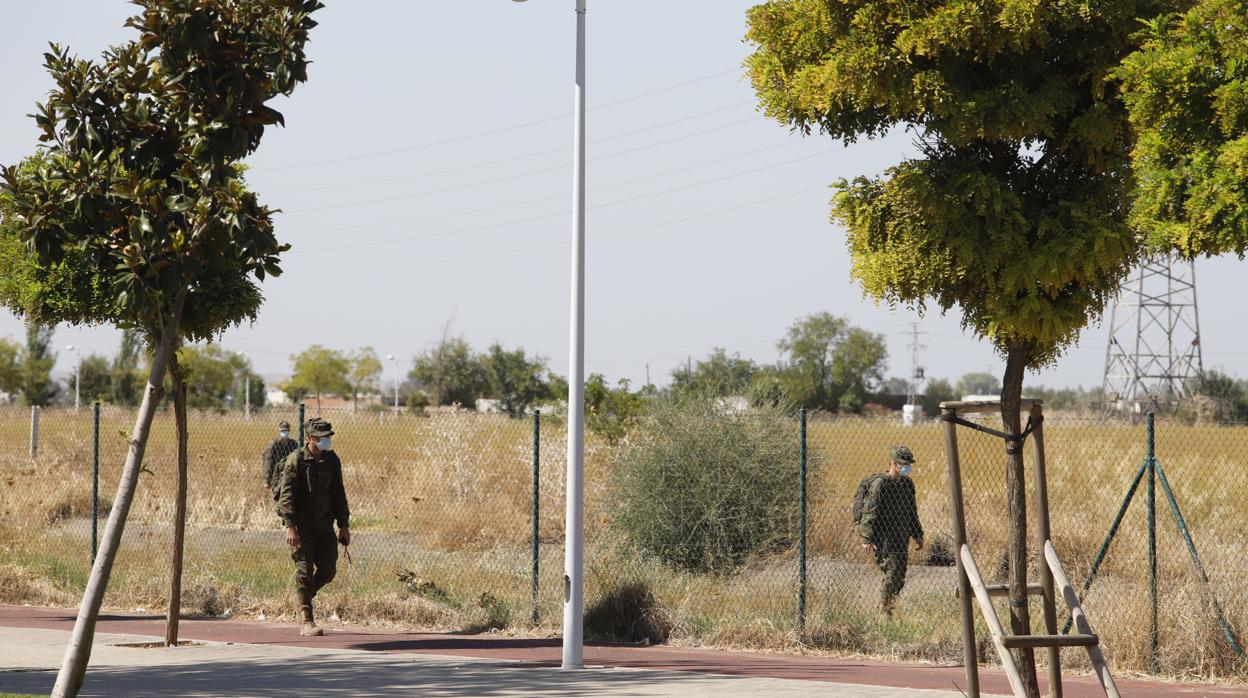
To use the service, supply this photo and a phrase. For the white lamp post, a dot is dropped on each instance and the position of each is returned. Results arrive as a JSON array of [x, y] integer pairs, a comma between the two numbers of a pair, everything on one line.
[[246, 387], [395, 359], [574, 545], [77, 373]]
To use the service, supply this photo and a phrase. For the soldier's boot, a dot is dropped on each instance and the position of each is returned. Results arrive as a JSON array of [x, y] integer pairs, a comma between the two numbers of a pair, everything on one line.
[[308, 627], [887, 604]]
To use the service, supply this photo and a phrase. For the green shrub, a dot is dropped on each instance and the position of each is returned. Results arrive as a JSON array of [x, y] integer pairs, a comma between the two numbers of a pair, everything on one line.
[[703, 488]]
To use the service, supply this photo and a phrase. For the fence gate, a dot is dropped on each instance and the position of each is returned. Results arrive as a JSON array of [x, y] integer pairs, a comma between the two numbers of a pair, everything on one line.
[[1052, 576]]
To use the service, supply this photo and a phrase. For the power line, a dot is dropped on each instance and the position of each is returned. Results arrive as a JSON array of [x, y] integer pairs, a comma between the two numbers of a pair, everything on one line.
[[465, 168], [493, 132], [555, 197], [531, 219], [521, 175], [563, 243]]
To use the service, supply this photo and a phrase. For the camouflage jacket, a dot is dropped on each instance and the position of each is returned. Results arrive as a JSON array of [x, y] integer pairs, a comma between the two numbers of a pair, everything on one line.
[[889, 513], [311, 494], [274, 456]]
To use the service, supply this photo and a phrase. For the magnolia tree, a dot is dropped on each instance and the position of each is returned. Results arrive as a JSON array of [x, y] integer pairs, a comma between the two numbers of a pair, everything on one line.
[[1015, 208], [138, 190]]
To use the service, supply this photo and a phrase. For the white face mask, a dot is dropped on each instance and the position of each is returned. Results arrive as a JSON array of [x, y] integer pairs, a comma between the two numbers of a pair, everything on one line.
[[323, 444], [284, 434]]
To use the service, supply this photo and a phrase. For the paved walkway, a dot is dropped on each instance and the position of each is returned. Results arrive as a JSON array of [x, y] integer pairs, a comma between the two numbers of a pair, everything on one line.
[[269, 659]]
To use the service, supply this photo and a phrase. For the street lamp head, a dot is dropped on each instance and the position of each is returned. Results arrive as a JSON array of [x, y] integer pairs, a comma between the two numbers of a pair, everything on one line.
[[390, 357], [71, 348]]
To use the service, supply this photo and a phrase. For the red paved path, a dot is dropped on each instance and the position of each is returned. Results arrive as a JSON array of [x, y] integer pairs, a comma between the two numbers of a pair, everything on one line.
[[546, 652]]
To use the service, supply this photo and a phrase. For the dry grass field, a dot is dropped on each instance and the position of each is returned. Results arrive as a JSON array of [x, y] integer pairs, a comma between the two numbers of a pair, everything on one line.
[[442, 512]]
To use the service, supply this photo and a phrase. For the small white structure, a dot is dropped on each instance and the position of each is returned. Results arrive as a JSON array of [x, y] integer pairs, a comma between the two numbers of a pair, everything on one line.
[[275, 398], [487, 405], [909, 415]]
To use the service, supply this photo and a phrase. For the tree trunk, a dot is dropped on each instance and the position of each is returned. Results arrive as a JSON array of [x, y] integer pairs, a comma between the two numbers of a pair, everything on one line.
[[78, 652], [1016, 503], [179, 517]]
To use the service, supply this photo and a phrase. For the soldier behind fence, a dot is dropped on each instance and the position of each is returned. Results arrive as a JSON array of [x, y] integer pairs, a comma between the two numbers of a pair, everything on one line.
[[888, 520], [275, 455], [311, 499]]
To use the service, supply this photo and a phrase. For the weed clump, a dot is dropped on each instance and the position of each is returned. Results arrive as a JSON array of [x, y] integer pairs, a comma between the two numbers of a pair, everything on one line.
[[705, 487]]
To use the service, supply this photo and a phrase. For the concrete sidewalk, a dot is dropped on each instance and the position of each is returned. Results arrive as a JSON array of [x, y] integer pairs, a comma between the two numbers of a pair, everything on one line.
[[29, 657], [242, 657]]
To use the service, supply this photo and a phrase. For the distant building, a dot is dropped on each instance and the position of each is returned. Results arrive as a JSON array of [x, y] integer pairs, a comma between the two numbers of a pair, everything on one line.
[[276, 398]]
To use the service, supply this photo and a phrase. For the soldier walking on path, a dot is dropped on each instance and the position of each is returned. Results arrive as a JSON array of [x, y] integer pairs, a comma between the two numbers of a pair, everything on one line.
[[311, 499], [887, 519], [275, 455]]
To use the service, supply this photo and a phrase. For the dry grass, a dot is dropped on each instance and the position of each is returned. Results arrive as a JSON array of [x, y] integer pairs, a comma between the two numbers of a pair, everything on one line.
[[448, 500]]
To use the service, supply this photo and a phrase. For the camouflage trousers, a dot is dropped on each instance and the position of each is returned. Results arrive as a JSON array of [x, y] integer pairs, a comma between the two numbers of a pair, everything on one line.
[[892, 559], [316, 563]]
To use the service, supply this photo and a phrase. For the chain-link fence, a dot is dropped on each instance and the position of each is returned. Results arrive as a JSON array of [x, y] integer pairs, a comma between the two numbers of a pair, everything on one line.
[[715, 526]]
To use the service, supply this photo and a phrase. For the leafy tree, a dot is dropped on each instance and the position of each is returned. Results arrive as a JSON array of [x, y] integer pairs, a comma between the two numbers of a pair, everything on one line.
[[612, 412], [808, 345], [95, 379], [1015, 210], [896, 386], [212, 374], [513, 379], [365, 372], [1186, 95], [858, 367], [935, 392], [140, 191], [319, 371], [10, 366], [37, 359], [1230, 397], [294, 392], [450, 373], [718, 375], [979, 384]]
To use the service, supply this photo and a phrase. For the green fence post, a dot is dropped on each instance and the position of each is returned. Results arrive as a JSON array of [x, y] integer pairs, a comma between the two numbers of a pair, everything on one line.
[[1152, 542], [301, 436], [537, 484], [801, 530], [95, 479]]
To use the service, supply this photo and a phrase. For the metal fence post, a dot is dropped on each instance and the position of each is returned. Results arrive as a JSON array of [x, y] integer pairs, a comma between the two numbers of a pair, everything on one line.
[[34, 432], [301, 436], [95, 479], [537, 484], [1152, 543], [801, 530]]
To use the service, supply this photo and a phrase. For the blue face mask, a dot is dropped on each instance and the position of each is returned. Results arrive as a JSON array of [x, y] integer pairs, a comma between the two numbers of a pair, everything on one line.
[[323, 444], [284, 434], [905, 471]]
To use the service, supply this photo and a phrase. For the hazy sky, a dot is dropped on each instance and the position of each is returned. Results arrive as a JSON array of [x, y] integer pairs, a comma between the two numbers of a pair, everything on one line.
[[424, 180]]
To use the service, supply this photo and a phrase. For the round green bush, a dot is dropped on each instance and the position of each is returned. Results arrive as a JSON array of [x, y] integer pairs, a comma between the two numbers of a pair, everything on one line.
[[707, 484]]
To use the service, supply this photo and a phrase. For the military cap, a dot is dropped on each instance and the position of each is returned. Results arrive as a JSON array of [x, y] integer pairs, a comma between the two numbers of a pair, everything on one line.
[[901, 454], [318, 427], [283, 425]]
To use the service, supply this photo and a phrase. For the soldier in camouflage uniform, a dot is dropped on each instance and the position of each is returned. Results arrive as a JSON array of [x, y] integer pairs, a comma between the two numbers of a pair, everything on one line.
[[890, 518], [275, 455], [311, 499]]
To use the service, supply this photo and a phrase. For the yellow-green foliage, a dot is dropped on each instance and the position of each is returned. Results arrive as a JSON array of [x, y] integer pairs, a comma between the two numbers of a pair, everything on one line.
[[1015, 212], [1187, 90]]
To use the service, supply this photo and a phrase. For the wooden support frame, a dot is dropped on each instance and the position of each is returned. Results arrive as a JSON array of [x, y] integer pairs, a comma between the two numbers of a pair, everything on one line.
[[1052, 577], [1081, 620]]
